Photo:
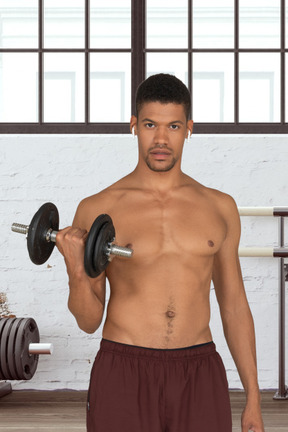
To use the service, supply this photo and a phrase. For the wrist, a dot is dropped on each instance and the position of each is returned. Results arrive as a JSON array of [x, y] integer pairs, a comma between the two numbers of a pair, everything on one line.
[[253, 396], [76, 273]]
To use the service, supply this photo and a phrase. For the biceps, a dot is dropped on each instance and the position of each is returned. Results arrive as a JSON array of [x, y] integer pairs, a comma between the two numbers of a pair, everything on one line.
[[227, 279]]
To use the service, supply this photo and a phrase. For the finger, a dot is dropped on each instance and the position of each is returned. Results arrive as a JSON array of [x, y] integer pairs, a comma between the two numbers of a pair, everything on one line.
[[61, 233], [71, 232], [78, 231], [69, 235], [76, 234]]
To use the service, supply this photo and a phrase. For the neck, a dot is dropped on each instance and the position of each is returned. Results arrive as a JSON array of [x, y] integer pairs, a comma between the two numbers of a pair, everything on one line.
[[158, 180]]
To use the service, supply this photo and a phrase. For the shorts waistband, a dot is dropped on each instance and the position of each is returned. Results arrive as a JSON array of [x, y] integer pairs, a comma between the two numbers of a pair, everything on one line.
[[176, 353]]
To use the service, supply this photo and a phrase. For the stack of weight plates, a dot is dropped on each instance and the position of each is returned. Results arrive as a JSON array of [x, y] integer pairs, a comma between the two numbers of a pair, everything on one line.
[[15, 336]]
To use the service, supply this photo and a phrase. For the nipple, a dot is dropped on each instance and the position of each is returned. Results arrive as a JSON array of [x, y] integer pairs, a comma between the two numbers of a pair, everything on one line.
[[210, 243]]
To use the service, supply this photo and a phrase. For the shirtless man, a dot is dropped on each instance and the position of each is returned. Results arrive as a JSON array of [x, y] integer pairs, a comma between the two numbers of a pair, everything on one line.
[[157, 369]]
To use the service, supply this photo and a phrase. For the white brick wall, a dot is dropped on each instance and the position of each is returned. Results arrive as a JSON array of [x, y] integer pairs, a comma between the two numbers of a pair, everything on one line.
[[65, 169]]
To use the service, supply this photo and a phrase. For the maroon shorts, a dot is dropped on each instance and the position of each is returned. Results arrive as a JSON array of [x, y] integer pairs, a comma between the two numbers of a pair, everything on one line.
[[135, 389]]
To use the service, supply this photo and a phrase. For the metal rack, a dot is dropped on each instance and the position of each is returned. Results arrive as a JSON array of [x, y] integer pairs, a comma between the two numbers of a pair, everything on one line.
[[280, 252]]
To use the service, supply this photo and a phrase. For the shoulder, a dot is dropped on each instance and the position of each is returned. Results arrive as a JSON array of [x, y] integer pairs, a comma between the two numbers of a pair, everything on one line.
[[87, 211], [102, 202], [228, 210], [223, 205], [220, 201], [224, 202]]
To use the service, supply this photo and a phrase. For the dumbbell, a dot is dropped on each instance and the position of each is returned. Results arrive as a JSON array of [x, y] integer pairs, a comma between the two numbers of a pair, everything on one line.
[[41, 238], [20, 348]]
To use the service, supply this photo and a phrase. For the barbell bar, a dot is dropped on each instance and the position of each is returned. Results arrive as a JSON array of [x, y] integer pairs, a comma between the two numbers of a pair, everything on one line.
[[276, 252], [40, 348], [263, 211]]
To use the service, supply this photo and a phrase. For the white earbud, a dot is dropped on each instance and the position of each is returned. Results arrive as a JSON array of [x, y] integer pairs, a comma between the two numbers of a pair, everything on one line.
[[133, 132]]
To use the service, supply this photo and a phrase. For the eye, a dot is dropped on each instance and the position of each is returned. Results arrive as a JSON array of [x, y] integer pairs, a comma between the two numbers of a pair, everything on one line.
[[149, 125], [174, 127]]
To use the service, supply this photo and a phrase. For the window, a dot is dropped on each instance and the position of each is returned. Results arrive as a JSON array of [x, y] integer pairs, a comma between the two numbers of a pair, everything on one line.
[[74, 67]]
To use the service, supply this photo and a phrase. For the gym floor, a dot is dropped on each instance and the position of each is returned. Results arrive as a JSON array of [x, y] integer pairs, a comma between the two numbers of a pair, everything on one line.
[[64, 411]]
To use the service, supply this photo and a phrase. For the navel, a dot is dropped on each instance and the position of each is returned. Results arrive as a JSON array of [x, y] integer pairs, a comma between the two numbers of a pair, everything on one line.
[[170, 314], [210, 243]]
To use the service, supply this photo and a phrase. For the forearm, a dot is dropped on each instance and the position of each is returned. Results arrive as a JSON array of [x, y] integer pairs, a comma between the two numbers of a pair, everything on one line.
[[240, 336], [87, 296], [84, 304]]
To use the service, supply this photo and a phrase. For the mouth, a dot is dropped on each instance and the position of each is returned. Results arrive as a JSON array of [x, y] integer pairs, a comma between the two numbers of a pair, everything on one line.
[[160, 154]]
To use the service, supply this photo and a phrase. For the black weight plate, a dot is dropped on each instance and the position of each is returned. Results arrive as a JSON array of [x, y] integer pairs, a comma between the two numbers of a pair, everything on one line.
[[11, 348], [101, 220], [4, 346], [26, 364], [38, 247], [105, 236], [3, 322]]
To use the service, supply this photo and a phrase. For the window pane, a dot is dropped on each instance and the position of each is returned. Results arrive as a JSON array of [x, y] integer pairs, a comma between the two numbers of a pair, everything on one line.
[[286, 89], [110, 88], [167, 24], [64, 88], [172, 63], [110, 24], [64, 24], [259, 23], [18, 24], [213, 87], [213, 24], [286, 25], [259, 87], [18, 88]]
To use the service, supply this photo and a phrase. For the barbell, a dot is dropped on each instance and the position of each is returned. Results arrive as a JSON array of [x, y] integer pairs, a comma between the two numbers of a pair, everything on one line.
[[20, 348], [41, 238]]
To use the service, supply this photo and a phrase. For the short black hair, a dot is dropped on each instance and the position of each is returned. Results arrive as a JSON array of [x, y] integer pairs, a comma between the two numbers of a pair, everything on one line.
[[163, 88]]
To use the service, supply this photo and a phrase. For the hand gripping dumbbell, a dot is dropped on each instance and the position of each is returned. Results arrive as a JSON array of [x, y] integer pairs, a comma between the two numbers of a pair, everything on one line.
[[41, 238]]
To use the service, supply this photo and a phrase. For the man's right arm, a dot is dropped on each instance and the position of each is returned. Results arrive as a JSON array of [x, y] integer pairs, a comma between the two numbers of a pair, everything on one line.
[[87, 296]]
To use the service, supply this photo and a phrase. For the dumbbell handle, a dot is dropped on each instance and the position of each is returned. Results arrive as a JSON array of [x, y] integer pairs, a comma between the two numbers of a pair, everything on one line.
[[40, 348], [112, 249]]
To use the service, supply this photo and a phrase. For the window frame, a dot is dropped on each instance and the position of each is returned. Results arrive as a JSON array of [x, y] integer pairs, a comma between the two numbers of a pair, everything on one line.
[[138, 67]]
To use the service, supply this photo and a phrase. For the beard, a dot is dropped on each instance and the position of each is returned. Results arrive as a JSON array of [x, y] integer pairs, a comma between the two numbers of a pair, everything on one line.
[[154, 166]]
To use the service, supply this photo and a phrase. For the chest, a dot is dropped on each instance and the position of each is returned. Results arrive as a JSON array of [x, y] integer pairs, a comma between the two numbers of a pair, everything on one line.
[[175, 226]]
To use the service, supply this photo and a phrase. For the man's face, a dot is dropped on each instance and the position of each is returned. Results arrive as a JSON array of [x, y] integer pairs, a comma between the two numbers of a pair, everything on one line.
[[161, 130]]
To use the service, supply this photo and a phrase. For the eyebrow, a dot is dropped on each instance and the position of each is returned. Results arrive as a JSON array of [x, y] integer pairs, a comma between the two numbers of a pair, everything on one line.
[[153, 121]]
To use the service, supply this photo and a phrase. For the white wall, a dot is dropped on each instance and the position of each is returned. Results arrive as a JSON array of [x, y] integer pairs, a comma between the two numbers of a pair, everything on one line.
[[65, 169]]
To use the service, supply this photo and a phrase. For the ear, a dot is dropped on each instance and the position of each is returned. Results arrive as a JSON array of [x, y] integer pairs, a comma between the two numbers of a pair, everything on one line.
[[133, 124], [189, 128]]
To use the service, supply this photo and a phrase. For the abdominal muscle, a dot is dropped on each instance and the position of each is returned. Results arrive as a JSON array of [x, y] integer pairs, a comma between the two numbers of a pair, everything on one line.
[[164, 306]]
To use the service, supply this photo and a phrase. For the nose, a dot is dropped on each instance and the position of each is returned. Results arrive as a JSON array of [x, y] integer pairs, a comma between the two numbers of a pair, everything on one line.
[[161, 137]]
